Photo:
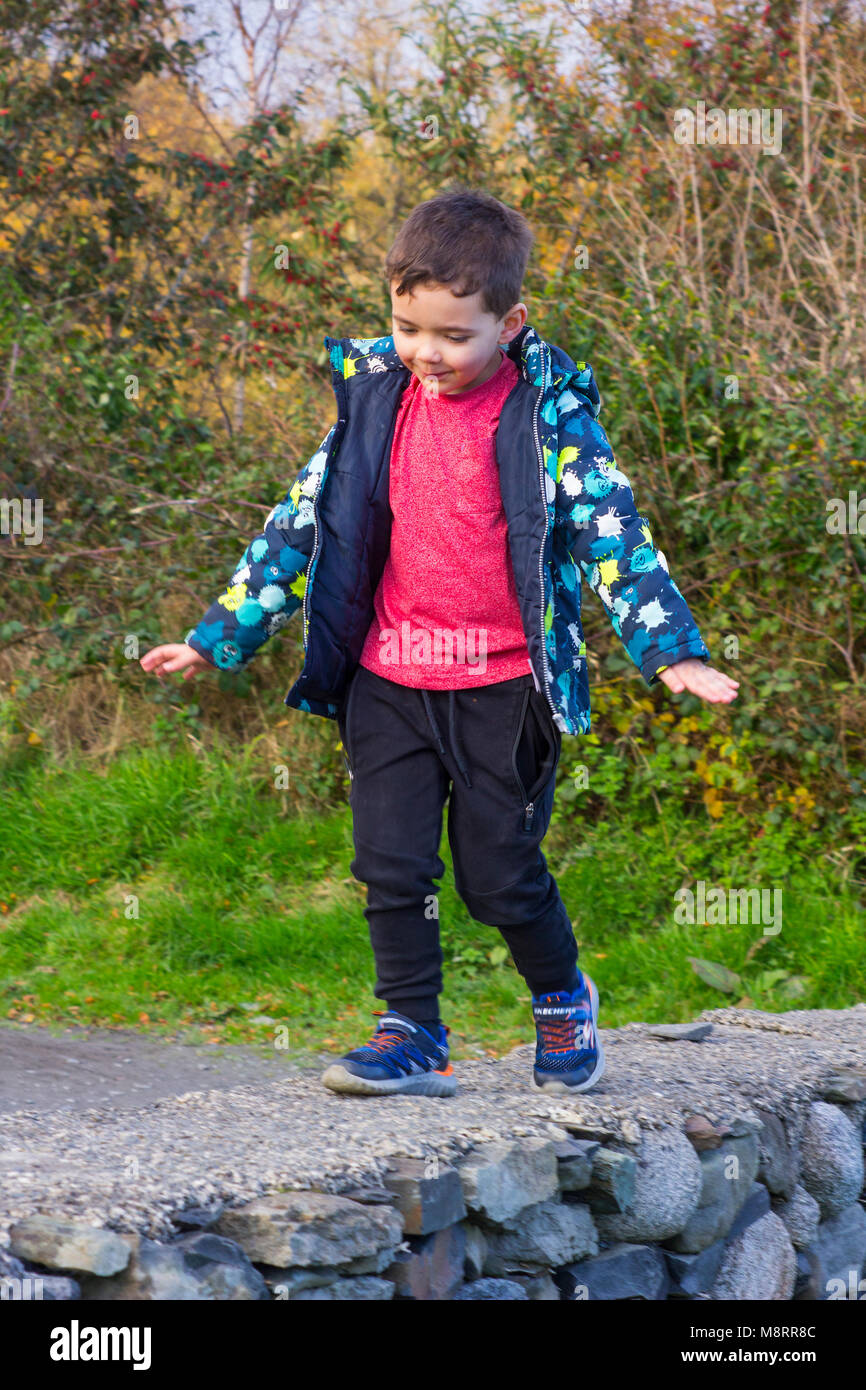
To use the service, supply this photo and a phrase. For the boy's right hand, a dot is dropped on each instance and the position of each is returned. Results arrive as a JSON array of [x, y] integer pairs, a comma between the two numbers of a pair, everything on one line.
[[175, 656]]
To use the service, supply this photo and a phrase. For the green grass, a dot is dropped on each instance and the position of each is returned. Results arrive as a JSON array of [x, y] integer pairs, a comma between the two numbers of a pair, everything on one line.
[[241, 902]]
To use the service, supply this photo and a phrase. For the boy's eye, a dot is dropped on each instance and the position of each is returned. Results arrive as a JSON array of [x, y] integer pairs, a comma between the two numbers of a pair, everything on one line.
[[450, 337]]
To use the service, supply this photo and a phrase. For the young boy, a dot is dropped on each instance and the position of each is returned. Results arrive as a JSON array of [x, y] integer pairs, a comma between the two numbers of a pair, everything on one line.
[[436, 541]]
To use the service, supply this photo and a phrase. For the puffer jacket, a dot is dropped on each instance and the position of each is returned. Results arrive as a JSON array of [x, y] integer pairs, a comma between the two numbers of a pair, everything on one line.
[[570, 512]]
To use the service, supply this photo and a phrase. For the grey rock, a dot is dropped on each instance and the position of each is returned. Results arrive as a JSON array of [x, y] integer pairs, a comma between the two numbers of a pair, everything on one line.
[[490, 1289], [831, 1159], [286, 1284], [501, 1178], [541, 1237], [808, 1285], [67, 1246], [58, 1288], [667, 1190], [597, 1133], [153, 1272], [476, 1251], [738, 1126], [310, 1228], [679, 1032], [612, 1183], [200, 1267], [756, 1205], [371, 1264], [623, 1271], [540, 1288], [32, 1287], [433, 1267], [745, 1149], [704, 1228], [760, 1264], [692, 1276], [574, 1159], [778, 1159], [802, 1216], [856, 1113], [846, 1084], [715, 1184], [366, 1288], [195, 1218], [840, 1249], [426, 1203], [221, 1266], [10, 1267], [365, 1193], [721, 1196]]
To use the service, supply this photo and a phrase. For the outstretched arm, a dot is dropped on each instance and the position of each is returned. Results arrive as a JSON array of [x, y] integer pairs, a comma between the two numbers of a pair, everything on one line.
[[269, 583], [612, 543]]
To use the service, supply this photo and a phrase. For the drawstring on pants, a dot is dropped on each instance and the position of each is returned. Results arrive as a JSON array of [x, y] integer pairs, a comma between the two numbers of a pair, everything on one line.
[[452, 730]]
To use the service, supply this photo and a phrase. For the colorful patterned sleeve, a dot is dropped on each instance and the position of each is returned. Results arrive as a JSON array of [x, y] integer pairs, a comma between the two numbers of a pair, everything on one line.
[[612, 542], [268, 584]]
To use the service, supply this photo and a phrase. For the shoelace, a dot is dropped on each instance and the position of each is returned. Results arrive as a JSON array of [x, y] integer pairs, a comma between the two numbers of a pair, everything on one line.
[[560, 1034], [385, 1038]]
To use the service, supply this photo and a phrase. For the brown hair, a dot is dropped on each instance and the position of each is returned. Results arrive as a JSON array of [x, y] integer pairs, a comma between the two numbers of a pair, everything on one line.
[[465, 239]]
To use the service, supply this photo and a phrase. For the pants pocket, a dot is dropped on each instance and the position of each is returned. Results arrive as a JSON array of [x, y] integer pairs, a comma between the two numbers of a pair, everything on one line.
[[535, 753]]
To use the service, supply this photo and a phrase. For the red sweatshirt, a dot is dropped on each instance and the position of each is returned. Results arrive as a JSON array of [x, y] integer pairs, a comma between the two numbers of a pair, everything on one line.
[[446, 610]]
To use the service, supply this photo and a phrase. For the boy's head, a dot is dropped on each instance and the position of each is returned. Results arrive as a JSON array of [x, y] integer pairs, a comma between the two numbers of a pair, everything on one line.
[[454, 274]]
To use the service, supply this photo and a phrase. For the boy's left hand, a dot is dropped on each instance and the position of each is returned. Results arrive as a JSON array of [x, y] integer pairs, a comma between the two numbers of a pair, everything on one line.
[[699, 679]]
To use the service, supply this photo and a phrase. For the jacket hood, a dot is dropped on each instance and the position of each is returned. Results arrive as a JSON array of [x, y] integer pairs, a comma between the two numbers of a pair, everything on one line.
[[539, 362]]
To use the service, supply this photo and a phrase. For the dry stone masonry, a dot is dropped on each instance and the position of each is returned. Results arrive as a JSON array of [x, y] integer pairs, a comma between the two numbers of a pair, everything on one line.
[[766, 1202]]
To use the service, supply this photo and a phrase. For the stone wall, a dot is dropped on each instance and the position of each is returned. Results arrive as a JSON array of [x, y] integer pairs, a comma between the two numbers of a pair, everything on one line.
[[766, 1209]]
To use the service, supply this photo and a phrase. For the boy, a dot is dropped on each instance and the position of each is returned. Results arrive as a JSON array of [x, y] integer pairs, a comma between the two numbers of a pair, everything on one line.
[[436, 542]]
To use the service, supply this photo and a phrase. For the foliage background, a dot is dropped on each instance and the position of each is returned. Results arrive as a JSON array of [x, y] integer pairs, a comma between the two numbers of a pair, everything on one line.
[[676, 270]]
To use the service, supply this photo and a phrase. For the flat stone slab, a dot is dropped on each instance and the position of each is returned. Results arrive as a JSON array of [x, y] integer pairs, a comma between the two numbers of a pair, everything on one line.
[[74, 1068], [107, 1164], [679, 1032]]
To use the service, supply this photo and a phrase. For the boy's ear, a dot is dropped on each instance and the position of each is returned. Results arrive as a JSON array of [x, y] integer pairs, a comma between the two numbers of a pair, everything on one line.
[[521, 321]]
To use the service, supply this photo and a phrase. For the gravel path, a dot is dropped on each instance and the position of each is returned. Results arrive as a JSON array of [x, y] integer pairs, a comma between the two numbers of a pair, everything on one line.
[[71, 1068], [128, 1168]]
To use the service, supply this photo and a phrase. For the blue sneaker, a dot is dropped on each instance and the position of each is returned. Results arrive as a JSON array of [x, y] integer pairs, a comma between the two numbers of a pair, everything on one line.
[[401, 1057], [569, 1056]]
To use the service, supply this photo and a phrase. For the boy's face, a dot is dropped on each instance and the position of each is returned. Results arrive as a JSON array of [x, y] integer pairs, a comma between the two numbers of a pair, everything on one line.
[[450, 343]]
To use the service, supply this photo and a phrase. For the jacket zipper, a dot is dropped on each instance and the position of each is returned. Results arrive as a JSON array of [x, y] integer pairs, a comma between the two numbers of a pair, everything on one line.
[[544, 669], [312, 558], [338, 434]]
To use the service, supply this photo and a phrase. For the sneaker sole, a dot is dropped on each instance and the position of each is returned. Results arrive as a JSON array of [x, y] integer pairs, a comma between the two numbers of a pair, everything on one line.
[[338, 1078], [561, 1087]]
